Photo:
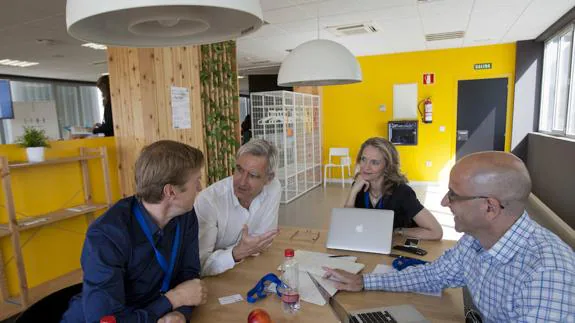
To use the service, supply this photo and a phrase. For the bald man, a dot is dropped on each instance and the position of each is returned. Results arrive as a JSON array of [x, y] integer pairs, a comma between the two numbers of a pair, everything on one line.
[[515, 270]]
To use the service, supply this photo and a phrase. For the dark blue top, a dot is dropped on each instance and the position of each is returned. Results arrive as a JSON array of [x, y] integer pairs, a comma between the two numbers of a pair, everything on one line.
[[402, 201], [121, 274]]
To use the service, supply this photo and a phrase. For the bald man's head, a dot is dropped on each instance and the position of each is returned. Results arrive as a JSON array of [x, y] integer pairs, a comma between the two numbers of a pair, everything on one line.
[[495, 174]]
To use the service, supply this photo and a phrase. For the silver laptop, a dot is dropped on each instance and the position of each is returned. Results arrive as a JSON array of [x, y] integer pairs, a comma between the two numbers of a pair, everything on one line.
[[368, 230], [390, 314]]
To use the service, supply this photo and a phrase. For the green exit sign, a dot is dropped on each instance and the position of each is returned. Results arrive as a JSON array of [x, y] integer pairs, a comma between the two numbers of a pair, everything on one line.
[[482, 66]]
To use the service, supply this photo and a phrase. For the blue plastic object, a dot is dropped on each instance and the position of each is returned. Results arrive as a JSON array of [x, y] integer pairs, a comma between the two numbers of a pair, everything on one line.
[[259, 291], [403, 262]]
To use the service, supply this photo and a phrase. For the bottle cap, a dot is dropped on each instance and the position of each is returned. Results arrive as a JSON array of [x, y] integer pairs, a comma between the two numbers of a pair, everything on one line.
[[108, 319], [289, 253]]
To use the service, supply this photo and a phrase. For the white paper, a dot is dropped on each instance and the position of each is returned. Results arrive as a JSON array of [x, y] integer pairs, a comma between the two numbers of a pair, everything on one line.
[[230, 299], [181, 116], [405, 101], [308, 292], [384, 269], [312, 262]]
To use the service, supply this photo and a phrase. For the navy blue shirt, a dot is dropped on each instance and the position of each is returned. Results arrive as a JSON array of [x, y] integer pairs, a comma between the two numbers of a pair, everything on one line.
[[402, 201], [121, 274]]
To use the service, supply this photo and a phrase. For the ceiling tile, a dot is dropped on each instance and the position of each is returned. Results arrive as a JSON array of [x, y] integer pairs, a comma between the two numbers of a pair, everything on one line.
[[284, 15], [495, 5], [275, 4], [491, 25], [439, 44], [537, 18]]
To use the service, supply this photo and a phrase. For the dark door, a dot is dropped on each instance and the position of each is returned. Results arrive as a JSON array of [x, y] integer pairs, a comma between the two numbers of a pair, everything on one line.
[[481, 111]]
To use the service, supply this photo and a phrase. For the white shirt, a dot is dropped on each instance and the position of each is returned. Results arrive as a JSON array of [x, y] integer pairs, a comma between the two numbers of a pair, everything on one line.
[[221, 218]]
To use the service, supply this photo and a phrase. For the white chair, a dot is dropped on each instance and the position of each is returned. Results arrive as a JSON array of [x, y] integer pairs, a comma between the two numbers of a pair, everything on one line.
[[344, 161]]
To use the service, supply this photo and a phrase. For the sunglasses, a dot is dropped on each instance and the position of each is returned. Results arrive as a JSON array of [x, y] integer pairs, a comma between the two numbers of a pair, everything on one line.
[[454, 197]]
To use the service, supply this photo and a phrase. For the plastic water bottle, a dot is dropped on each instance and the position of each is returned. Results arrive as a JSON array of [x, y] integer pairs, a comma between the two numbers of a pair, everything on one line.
[[290, 279]]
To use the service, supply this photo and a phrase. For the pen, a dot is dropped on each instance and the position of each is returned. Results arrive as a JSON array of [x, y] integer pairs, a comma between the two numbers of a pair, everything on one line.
[[338, 256]]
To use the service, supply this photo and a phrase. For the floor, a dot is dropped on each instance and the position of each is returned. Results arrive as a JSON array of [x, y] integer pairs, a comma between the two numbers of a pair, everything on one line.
[[313, 209]]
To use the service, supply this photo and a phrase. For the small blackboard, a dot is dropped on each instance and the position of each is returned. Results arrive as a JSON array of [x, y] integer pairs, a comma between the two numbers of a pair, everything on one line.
[[403, 132]]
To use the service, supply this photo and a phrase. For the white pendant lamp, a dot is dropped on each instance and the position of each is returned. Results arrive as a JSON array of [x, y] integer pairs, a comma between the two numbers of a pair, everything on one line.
[[319, 62], [161, 23]]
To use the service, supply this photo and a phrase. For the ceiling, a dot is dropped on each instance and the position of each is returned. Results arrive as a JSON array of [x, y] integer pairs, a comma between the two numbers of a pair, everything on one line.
[[34, 30]]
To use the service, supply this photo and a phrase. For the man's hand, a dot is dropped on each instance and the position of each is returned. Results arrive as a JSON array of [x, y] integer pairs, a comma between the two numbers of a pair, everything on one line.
[[173, 317], [250, 245], [344, 280], [189, 293]]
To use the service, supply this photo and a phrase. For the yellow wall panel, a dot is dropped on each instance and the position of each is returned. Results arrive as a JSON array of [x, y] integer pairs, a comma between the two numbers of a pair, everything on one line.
[[351, 112], [53, 250]]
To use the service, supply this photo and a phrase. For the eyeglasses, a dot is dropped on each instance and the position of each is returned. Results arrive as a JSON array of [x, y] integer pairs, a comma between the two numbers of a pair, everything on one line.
[[453, 197]]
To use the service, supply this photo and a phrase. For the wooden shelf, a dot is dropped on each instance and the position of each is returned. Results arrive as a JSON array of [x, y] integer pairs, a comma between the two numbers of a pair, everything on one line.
[[53, 161], [58, 215], [87, 209], [4, 232]]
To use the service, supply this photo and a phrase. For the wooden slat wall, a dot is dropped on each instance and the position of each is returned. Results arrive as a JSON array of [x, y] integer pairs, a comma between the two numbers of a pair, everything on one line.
[[316, 90], [220, 91], [140, 83]]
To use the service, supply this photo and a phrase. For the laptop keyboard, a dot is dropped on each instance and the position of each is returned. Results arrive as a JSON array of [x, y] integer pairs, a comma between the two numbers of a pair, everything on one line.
[[373, 317]]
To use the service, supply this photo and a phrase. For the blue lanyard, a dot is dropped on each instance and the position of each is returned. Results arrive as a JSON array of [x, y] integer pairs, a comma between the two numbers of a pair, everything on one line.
[[168, 269], [368, 202]]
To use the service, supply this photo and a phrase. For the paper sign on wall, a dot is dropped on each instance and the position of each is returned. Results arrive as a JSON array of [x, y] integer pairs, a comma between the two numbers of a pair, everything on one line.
[[181, 110]]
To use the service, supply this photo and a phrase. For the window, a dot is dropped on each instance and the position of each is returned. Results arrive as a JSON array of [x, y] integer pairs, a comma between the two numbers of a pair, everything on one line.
[[76, 104], [558, 92]]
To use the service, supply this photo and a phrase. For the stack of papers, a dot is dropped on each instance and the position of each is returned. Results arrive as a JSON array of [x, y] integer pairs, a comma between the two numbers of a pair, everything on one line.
[[312, 262]]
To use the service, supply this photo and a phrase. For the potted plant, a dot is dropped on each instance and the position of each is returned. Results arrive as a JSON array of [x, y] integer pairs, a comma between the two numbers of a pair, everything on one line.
[[35, 141]]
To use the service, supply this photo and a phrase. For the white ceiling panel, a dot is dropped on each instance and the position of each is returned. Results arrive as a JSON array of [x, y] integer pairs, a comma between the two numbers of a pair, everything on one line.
[[492, 25], [490, 5], [267, 31], [403, 24], [275, 4], [380, 4], [392, 14], [537, 18], [440, 44], [443, 24], [442, 7], [284, 15], [402, 36]]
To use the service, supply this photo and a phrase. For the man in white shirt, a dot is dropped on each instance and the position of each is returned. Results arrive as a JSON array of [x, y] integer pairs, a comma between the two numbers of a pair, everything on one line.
[[238, 216]]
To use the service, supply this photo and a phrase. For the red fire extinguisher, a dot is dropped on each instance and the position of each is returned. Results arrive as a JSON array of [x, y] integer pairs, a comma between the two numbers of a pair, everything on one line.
[[427, 114]]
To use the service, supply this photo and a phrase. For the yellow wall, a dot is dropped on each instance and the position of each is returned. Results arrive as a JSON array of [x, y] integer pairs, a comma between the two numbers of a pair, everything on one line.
[[53, 250], [351, 112]]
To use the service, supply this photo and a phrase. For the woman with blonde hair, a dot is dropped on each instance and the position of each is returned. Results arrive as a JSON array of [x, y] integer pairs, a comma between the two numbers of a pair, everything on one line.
[[380, 185]]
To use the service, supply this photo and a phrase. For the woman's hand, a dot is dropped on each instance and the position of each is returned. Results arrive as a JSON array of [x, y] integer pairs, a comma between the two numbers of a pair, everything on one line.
[[355, 189], [359, 184]]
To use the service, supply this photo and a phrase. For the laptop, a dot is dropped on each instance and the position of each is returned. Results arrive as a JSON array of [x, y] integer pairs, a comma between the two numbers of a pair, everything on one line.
[[390, 314], [356, 229]]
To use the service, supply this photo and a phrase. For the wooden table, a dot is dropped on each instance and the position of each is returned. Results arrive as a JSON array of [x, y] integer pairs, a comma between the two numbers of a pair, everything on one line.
[[448, 308]]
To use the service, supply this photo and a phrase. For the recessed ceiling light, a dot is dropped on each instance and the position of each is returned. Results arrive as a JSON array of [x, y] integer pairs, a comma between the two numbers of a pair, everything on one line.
[[16, 63], [95, 46]]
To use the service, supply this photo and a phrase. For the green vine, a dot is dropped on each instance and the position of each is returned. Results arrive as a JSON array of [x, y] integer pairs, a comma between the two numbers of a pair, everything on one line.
[[219, 101]]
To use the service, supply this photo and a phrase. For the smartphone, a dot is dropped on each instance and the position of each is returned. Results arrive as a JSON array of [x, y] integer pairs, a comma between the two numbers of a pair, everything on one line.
[[413, 250], [410, 242]]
